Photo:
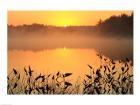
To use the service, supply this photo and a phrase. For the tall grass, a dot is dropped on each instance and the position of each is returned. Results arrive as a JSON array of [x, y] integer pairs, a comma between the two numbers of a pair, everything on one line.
[[107, 79], [110, 79]]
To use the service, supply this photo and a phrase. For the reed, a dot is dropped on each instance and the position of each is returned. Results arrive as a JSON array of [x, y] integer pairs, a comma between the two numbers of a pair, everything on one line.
[[107, 79]]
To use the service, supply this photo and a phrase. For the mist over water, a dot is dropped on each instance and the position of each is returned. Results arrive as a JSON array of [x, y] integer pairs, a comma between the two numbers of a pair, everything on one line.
[[113, 47]]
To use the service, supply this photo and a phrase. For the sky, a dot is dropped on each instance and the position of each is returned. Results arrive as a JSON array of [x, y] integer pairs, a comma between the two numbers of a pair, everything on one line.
[[60, 18]]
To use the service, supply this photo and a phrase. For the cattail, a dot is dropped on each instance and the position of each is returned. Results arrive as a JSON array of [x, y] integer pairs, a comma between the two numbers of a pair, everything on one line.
[[37, 77], [89, 77], [47, 87], [25, 71], [122, 68], [113, 67], [127, 60], [105, 67], [30, 71], [53, 77], [68, 84], [105, 59], [43, 78], [49, 75], [37, 90], [57, 74], [15, 72], [18, 76], [57, 84], [90, 66], [67, 74], [30, 90], [114, 73], [124, 79], [15, 85]]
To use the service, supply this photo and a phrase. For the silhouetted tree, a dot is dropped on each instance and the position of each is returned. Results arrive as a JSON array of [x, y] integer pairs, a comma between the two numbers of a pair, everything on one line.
[[121, 25]]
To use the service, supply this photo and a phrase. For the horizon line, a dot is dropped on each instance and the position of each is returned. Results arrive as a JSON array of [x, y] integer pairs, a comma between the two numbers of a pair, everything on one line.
[[51, 25]]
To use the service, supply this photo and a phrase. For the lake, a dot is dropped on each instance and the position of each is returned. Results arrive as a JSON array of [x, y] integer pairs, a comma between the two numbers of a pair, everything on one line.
[[53, 60]]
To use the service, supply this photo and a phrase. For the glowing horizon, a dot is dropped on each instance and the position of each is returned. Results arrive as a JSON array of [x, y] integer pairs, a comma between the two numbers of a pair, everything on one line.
[[61, 18]]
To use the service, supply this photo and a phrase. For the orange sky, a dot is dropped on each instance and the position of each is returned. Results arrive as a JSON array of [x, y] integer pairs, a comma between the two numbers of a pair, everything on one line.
[[60, 18]]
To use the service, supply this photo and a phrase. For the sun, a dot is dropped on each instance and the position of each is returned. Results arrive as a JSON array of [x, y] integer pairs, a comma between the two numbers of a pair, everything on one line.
[[65, 25], [64, 48]]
